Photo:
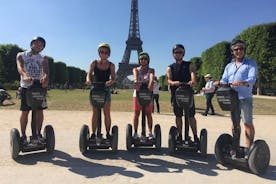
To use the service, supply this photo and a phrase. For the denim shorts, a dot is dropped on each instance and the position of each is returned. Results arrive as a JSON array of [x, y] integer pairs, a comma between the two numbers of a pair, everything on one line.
[[108, 93], [244, 112]]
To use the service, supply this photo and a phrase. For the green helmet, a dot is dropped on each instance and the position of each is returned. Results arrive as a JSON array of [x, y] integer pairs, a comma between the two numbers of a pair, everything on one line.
[[145, 54]]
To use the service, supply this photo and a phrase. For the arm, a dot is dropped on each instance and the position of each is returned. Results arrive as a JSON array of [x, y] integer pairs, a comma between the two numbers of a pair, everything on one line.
[[45, 78], [135, 80], [151, 80], [112, 79], [169, 78], [21, 70], [193, 75]]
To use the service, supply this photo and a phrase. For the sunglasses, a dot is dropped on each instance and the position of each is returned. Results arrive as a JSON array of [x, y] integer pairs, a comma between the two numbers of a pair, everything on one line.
[[178, 52], [103, 52], [240, 49], [143, 58]]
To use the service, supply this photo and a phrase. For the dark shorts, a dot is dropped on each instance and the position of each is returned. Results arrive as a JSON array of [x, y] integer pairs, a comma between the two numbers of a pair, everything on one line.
[[178, 111], [24, 106]]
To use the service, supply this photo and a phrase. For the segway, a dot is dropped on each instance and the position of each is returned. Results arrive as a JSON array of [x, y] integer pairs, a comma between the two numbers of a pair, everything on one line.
[[35, 97], [144, 97], [184, 98], [97, 97], [258, 157]]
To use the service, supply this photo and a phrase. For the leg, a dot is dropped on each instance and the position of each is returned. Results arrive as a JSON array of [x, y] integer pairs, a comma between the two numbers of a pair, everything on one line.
[[149, 117], [135, 120], [247, 118], [157, 103], [179, 124], [249, 134], [211, 105], [107, 117], [23, 122], [94, 120], [39, 121], [193, 126], [236, 131]]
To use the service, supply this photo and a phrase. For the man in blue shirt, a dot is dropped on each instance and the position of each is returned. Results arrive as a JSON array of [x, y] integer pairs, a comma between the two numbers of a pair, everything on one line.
[[241, 73]]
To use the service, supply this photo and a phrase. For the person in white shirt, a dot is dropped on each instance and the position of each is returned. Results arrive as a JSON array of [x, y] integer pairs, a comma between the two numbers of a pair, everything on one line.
[[155, 91], [209, 91]]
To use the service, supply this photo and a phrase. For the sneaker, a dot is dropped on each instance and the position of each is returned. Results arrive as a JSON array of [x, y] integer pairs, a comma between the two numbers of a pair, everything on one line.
[[24, 140], [40, 138], [196, 141], [93, 136], [213, 113], [233, 154], [34, 140], [179, 138], [108, 136], [204, 114], [246, 153], [150, 136], [135, 136]]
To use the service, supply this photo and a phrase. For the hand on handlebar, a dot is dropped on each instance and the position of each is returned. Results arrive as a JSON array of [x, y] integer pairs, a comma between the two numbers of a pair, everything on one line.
[[240, 83], [27, 79]]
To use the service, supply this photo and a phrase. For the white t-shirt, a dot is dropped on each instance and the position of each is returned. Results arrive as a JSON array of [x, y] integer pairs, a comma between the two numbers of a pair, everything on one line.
[[143, 77], [32, 65], [156, 87], [210, 84]]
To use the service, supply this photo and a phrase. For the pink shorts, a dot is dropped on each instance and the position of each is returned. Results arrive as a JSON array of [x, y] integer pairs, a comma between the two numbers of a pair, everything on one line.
[[138, 107]]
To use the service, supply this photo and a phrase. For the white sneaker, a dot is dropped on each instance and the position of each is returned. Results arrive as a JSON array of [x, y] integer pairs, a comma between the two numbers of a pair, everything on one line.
[[150, 136]]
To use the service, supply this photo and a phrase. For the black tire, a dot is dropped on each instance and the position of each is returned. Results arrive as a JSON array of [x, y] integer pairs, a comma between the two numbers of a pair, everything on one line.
[[222, 147], [172, 139], [114, 142], [259, 157], [49, 136], [14, 143], [203, 143], [128, 136], [83, 139], [158, 138]]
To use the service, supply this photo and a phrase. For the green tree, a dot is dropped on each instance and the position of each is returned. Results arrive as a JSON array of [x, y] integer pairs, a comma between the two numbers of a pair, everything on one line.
[[61, 73], [261, 47], [8, 69]]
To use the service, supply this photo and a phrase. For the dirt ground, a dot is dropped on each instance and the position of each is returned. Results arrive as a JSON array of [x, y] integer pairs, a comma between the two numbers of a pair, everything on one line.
[[68, 165]]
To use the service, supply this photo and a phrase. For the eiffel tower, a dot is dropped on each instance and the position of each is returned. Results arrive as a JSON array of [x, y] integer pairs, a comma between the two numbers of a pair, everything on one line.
[[133, 43]]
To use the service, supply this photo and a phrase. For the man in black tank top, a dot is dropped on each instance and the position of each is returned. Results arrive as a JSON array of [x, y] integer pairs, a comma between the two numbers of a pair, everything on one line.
[[181, 71]]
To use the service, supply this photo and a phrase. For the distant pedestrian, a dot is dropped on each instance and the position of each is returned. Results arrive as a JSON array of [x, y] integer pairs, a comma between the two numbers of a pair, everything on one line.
[[156, 87], [209, 91]]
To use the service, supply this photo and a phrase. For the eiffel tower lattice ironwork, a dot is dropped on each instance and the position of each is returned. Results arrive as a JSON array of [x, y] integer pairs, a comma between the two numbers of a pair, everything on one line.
[[133, 43]]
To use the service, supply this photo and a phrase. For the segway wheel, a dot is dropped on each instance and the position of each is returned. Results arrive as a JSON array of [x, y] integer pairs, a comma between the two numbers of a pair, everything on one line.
[[49, 135], [203, 143], [259, 157], [129, 136], [222, 147], [172, 139], [14, 143], [157, 135], [114, 142], [84, 137]]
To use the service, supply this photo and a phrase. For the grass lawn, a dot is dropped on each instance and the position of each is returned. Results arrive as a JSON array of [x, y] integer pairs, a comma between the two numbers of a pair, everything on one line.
[[78, 100]]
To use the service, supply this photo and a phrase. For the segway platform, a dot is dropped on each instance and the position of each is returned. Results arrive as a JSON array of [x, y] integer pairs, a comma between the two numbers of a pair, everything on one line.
[[257, 157], [35, 97], [144, 97], [97, 99], [184, 98]]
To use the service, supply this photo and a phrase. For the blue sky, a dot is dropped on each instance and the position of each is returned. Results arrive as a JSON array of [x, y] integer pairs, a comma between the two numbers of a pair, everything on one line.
[[74, 28]]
